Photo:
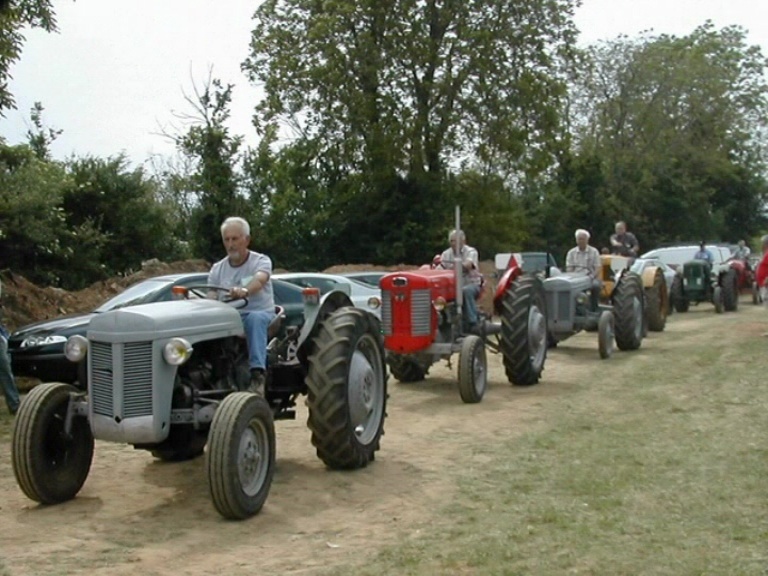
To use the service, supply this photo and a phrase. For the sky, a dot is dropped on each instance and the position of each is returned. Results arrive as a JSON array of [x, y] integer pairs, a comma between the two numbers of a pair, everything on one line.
[[114, 77]]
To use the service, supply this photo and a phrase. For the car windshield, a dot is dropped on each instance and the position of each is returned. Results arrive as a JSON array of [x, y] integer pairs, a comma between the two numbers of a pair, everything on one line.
[[533, 262], [286, 293], [371, 278], [362, 284], [140, 293]]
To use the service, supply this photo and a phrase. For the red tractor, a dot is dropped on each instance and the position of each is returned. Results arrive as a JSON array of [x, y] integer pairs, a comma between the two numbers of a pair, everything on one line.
[[745, 278], [421, 319]]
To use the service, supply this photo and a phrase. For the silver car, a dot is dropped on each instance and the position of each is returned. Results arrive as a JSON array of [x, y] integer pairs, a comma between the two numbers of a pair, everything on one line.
[[363, 295]]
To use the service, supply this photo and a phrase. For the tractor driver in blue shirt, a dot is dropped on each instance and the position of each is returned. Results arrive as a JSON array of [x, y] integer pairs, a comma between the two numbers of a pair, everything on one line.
[[704, 254]]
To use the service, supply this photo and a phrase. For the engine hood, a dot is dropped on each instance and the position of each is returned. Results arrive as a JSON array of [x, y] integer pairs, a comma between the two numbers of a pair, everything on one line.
[[194, 320]]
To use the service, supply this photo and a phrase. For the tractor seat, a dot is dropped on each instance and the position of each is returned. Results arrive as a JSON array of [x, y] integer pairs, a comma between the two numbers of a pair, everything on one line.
[[276, 323]]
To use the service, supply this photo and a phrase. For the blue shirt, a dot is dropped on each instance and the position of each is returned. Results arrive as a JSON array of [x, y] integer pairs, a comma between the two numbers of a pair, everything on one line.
[[704, 255]]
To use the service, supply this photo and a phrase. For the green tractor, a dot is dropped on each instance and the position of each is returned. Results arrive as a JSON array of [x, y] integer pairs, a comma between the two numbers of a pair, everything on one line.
[[703, 282]]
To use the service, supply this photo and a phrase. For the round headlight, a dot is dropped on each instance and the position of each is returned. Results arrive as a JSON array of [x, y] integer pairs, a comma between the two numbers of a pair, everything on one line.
[[439, 303], [177, 351], [374, 302], [76, 348]]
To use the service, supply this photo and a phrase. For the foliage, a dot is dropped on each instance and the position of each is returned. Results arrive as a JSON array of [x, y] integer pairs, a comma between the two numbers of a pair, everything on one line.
[[673, 124], [114, 221], [32, 223], [41, 137], [393, 97], [214, 154], [13, 18]]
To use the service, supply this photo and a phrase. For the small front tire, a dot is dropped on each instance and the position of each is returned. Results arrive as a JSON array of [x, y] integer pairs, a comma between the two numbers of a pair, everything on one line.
[[473, 370], [50, 464], [241, 455], [717, 299], [605, 334]]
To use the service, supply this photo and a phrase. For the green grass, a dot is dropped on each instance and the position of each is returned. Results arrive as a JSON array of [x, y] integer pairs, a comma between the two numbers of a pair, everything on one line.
[[663, 471]]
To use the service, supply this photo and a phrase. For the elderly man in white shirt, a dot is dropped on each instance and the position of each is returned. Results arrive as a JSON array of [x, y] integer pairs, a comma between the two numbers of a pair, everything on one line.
[[585, 259]]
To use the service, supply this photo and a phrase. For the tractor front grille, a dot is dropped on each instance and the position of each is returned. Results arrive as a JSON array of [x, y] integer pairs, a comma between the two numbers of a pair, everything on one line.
[[101, 378], [129, 385], [386, 312], [419, 311]]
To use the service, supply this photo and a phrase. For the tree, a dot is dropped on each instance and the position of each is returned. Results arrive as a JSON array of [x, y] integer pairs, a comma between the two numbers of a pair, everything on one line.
[[114, 219], [214, 155], [41, 137], [674, 123], [392, 93], [14, 17], [31, 220]]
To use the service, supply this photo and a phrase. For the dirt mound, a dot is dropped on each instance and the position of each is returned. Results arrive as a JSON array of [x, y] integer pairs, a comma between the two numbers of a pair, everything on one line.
[[25, 302], [367, 267]]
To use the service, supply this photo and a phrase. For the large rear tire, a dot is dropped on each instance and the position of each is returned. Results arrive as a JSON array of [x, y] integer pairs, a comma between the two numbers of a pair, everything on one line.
[[473, 370], [730, 291], [241, 455], [524, 339], [347, 384], [628, 312], [50, 465], [657, 303], [406, 368]]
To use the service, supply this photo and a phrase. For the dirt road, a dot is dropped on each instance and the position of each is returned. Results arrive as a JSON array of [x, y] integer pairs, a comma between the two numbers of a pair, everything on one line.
[[139, 516]]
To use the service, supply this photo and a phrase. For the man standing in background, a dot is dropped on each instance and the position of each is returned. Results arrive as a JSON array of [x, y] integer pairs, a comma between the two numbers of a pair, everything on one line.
[[624, 243], [7, 381]]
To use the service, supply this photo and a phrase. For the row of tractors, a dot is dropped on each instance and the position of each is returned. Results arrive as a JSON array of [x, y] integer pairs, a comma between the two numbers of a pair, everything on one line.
[[172, 378], [421, 314]]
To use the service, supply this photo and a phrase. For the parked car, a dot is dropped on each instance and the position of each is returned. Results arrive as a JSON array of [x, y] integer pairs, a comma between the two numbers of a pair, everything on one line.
[[363, 295], [676, 256], [37, 350], [670, 273], [371, 277]]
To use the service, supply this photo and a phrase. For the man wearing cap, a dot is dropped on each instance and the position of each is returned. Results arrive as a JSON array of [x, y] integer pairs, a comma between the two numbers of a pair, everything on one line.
[[585, 259]]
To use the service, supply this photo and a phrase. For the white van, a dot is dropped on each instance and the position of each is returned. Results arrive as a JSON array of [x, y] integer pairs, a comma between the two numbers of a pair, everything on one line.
[[675, 256]]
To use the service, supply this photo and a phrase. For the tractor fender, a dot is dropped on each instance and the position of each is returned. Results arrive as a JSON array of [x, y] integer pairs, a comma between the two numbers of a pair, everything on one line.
[[510, 275], [649, 274], [314, 314]]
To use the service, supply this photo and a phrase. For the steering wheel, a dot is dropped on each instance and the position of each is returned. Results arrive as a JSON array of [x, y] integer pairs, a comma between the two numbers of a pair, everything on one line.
[[201, 291]]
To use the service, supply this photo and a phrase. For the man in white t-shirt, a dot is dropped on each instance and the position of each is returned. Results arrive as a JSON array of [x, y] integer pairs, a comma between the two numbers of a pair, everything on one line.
[[247, 275], [585, 259], [473, 278]]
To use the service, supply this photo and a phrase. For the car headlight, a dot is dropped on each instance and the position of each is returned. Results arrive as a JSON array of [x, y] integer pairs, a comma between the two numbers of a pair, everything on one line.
[[76, 348], [31, 341], [439, 303], [177, 351], [374, 302]]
